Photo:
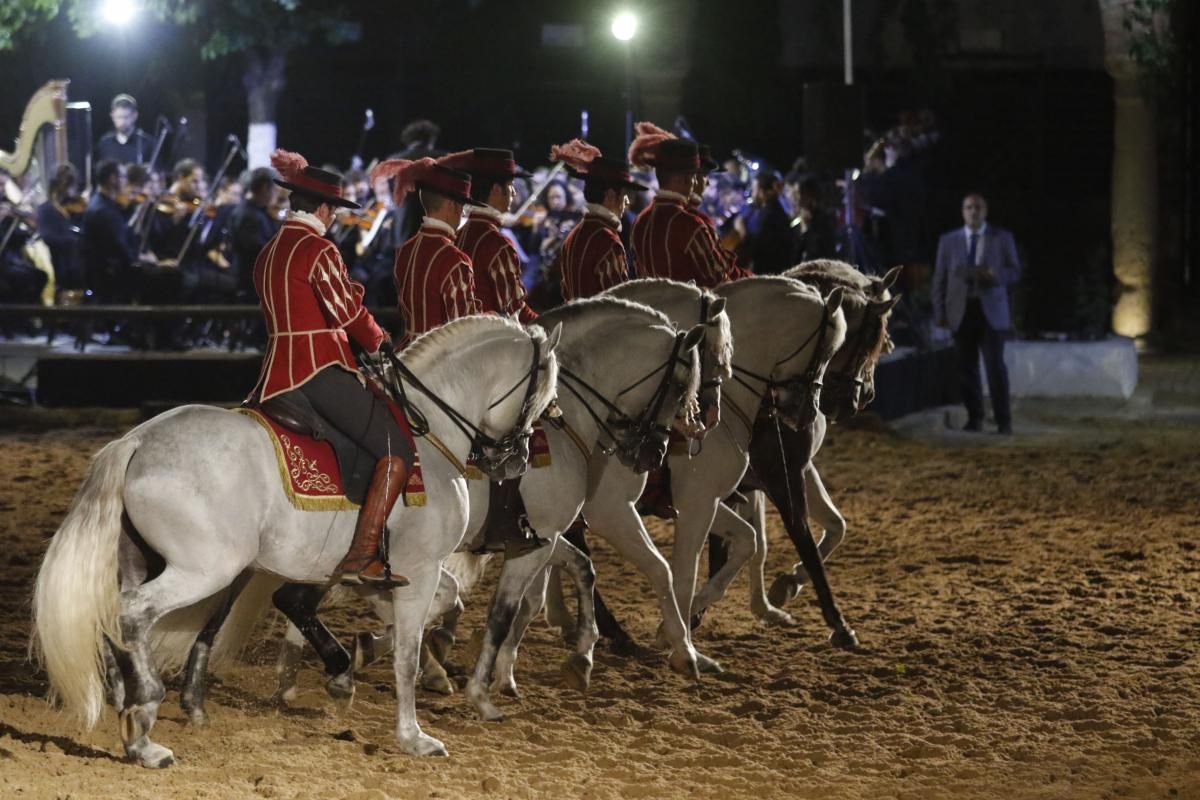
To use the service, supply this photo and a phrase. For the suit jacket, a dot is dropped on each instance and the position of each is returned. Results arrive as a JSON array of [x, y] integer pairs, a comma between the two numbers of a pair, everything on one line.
[[953, 270]]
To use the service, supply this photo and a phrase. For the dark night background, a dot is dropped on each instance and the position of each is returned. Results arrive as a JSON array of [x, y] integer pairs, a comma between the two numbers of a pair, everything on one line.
[[1023, 101]]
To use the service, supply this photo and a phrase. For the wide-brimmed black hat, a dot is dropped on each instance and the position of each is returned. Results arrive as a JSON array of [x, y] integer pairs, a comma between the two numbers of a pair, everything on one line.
[[320, 184], [707, 162], [452, 183], [490, 163], [677, 155], [612, 172]]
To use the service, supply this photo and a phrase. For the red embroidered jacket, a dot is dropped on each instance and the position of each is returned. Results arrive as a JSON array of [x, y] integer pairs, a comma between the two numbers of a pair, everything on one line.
[[670, 240], [434, 281], [593, 256], [495, 264], [311, 306]]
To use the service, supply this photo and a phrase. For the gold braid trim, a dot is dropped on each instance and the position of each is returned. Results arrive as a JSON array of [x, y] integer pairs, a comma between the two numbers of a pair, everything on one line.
[[313, 477]]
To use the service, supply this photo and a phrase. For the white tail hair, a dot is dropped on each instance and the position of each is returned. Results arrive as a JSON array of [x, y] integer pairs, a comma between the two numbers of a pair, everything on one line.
[[467, 569], [76, 600]]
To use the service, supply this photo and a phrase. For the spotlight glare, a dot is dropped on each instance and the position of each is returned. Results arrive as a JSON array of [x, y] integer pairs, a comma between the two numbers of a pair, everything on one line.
[[624, 26], [118, 12]]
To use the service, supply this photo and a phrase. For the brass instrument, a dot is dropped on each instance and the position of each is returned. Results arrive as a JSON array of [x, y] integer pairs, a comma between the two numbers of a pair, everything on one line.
[[36, 151]]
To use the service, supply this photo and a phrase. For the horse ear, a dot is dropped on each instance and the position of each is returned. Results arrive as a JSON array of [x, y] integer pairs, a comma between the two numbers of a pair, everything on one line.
[[889, 278], [694, 337], [553, 338], [715, 308], [882, 307], [834, 301]]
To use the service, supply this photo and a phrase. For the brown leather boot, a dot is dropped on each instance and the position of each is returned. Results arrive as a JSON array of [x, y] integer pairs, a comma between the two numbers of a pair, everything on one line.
[[505, 529], [656, 500], [363, 563]]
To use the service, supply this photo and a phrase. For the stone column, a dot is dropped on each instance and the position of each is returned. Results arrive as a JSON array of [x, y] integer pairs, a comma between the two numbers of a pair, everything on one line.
[[1134, 181]]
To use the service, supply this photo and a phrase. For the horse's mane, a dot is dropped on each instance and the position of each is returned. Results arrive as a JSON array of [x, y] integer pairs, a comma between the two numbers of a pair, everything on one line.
[[781, 282], [826, 274], [578, 308], [432, 345], [435, 345], [722, 346]]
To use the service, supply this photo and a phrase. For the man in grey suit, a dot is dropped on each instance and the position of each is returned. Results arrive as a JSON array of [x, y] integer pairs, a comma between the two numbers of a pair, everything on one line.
[[975, 266]]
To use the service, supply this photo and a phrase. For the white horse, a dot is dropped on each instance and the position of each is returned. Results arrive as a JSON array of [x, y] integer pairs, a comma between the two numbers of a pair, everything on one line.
[[174, 511], [784, 333], [621, 356]]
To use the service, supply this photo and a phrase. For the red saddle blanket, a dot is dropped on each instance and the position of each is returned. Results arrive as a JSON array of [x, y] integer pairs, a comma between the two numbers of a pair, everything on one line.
[[309, 470]]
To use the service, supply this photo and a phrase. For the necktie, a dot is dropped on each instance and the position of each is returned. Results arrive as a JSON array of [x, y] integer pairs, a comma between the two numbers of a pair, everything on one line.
[[972, 246]]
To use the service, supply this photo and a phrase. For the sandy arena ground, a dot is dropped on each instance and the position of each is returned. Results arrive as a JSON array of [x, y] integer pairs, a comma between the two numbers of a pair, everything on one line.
[[1028, 612]]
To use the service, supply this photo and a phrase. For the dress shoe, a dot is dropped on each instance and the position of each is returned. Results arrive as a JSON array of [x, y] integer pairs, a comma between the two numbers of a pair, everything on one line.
[[973, 427]]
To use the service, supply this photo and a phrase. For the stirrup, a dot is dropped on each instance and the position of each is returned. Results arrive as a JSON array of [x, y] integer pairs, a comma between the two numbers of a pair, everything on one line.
[[364, 575]]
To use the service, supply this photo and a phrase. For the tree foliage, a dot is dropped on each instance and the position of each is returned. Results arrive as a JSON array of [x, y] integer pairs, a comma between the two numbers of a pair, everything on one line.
[[222, 27], [1154, 45]]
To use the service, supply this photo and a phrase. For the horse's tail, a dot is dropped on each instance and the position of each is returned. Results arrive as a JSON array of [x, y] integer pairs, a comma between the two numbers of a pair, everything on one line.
[[76, 601], [467, 569]]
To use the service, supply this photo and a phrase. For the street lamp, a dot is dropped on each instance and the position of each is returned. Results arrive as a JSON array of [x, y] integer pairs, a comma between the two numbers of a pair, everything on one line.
[[624, 28], [119, 12]]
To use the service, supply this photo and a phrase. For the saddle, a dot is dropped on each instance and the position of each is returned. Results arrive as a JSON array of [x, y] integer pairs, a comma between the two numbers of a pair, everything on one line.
[[293, 411], [321, 468]]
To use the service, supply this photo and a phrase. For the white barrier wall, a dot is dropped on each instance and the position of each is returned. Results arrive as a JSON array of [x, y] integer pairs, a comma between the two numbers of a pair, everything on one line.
[[1106, 368]]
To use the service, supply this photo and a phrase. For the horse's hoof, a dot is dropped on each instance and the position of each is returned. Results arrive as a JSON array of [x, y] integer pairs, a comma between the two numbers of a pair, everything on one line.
[[708, 665], [577, 672], [437, 682], [774, 616], [845, 638], [696, 620], [284, 697], [152, 756], [685, 664], [197, 717], [783, 590], [509, 689], [423, 745], [439, 640], [341, 689]]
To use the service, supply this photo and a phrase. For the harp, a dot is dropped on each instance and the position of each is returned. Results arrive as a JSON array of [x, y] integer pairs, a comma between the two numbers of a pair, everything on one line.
[[41, 143]]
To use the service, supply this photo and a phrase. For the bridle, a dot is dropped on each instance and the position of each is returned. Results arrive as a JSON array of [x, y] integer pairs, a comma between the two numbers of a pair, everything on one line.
[[511, 445], [806, 384], [638, 430], [851, 378]]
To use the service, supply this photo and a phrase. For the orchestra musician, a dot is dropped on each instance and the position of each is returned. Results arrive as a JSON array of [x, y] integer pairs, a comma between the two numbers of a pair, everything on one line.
[[251, 227], [126, 143], [58, 221]]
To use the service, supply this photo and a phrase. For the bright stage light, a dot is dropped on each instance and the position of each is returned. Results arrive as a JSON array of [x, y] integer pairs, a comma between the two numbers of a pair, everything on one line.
[[624, 26], [118, 12]]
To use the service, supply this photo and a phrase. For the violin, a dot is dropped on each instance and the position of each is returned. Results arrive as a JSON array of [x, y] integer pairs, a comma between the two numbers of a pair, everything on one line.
[[74, 204]]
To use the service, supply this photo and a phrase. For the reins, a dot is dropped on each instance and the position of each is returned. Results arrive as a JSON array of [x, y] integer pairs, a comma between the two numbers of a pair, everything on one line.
[[810, 373], [645, 421]]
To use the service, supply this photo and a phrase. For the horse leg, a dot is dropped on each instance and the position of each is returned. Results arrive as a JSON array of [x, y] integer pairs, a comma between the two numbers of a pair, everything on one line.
[[742, 546], [796, 522], [691, 529], [506, 657], [410, 607], [515, 577], [826, 514], [195, 681], [287, 666], [577, 669], [298, 602], [141, 608], [620, 525], [755, 513], [619, 641], [557, 615]]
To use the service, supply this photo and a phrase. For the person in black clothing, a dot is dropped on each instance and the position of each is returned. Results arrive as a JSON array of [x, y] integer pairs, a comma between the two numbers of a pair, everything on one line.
[[251, 228], [815, 227], [126, 143], [766, 232], [60, 230], [112, 267]]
